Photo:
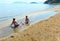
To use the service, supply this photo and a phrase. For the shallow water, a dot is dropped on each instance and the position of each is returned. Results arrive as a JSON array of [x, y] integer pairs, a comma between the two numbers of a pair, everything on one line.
[[8, 11]]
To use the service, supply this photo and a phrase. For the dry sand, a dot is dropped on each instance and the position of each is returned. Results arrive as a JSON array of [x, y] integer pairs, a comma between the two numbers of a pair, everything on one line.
[[46, 30]]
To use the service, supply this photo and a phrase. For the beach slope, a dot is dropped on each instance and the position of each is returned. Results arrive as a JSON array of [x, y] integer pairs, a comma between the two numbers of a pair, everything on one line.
[[46, 30]]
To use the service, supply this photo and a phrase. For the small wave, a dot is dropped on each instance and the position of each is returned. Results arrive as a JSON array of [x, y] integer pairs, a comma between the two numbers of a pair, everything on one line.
[[6, 18]]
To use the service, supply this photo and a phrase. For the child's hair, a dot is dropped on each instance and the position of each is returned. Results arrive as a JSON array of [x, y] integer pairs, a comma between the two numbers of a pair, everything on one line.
[[13, 18], [26, 16]]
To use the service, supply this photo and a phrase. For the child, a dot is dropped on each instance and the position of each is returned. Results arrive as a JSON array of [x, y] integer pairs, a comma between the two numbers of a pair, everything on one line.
[[26, 20], [14, 23]]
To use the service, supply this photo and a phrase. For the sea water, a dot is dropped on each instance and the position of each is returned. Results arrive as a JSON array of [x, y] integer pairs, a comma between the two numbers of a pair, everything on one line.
[[8, 11]]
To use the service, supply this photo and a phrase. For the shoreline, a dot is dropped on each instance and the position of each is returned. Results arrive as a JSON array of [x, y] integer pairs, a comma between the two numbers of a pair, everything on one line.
[[38, 19], [29, 27]]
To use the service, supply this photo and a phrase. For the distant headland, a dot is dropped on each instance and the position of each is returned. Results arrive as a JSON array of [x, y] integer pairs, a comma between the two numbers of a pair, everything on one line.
[[52, 1], [33, 2]]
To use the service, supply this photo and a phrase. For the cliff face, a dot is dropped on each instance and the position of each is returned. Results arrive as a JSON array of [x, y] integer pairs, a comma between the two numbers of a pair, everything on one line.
[[52, 1]]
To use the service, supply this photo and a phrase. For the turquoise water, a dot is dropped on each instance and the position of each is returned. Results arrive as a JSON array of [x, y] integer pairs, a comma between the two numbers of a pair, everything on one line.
[[8, 11]]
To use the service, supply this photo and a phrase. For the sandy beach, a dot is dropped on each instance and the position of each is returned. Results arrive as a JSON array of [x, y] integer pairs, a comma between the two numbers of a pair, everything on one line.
[[45, 30]]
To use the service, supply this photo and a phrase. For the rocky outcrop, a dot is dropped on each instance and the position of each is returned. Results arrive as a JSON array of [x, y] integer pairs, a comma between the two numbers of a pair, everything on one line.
[[52, 1]]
